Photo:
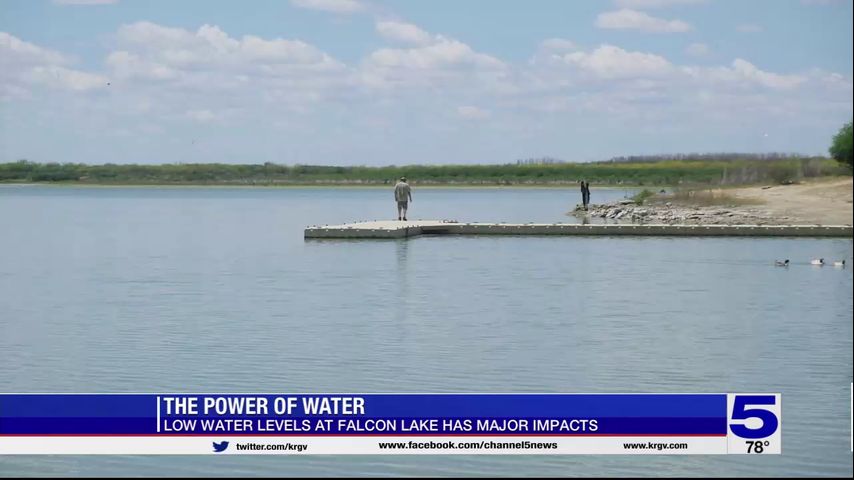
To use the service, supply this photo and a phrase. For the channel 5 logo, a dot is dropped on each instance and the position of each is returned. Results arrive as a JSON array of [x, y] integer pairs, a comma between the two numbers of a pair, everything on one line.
[[754, 422]]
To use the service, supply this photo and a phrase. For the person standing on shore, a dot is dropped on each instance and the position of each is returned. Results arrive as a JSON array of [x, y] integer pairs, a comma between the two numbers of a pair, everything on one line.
[[584, 194], [403, 195]]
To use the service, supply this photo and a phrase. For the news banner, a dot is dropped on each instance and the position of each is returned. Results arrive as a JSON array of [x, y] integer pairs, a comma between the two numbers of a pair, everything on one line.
[[391, 424]]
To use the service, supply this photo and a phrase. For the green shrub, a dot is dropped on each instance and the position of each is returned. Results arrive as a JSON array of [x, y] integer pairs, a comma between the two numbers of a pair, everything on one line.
[[640, 197]]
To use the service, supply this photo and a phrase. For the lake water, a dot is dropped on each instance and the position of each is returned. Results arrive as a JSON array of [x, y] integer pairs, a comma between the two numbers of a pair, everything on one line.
[[215, 290]]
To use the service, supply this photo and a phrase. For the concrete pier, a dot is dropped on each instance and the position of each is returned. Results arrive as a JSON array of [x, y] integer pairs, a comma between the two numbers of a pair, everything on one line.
[[398, 229]]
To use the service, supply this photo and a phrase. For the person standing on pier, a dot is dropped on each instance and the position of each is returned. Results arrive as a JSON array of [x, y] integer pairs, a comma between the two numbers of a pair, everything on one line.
[[403, 195]]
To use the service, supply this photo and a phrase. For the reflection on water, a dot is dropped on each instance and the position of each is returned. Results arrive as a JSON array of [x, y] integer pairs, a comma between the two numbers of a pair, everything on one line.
[[160, 290], [400, 300]]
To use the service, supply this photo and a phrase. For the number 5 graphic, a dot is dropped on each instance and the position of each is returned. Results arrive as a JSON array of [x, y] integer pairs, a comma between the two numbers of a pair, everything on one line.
[[741, 412]]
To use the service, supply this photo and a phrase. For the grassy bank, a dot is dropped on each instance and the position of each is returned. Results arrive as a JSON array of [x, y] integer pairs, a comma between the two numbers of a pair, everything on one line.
[[692, 197], [701, 171]]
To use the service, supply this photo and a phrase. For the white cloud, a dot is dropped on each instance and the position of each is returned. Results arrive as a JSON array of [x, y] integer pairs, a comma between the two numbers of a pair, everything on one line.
[[17, 52], [627, 19], [558, 44], [767, 79], [24, 65], [608, 61], [835, 80], [65, 78], [434, 60], [444, 53], [85, 2], [162, 49], [202, 116], [615, 85], [334, 6], [432, 52], [403, 32], [697, 50], [749, 28], [152, 36], [278, 51], [195, 75], [471, 112], [175, 77], [651, 4], [446, 65], [128, 65], [742, 74]]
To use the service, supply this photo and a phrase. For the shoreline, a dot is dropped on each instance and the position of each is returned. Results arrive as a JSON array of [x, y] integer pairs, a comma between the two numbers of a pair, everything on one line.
[[562, 186], [815, 202], [478, 185], [823, 201]]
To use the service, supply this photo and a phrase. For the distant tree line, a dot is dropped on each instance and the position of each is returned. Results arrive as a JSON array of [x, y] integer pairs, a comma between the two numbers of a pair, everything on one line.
[[539, 161], [705, 157], [664, 170]]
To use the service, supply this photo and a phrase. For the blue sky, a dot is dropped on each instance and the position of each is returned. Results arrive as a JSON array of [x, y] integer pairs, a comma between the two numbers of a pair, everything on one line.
[[399, 82]]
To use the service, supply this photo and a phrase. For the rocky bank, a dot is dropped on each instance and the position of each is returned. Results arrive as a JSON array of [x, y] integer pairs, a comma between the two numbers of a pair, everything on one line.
[[627, 211]]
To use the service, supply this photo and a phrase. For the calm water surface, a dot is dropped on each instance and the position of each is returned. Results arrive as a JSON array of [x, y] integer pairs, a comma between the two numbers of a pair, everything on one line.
[[214, 289]]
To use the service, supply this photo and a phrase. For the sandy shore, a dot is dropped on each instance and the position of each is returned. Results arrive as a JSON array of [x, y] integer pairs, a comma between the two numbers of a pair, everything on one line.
[[813, 202], [826, 202]]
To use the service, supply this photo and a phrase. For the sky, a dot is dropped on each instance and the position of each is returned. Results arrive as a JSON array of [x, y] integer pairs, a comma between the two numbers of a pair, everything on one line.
[[380, 82]]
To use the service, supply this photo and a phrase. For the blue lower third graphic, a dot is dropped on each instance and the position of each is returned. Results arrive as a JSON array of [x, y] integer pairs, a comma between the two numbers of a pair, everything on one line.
[[390, 423]]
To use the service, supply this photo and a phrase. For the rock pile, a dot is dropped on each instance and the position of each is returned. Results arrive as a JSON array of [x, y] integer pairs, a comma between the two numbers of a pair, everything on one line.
[[627, 211]]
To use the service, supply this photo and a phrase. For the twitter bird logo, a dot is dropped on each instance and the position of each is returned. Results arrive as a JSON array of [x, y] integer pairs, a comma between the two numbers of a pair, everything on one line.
[[220, 447]]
